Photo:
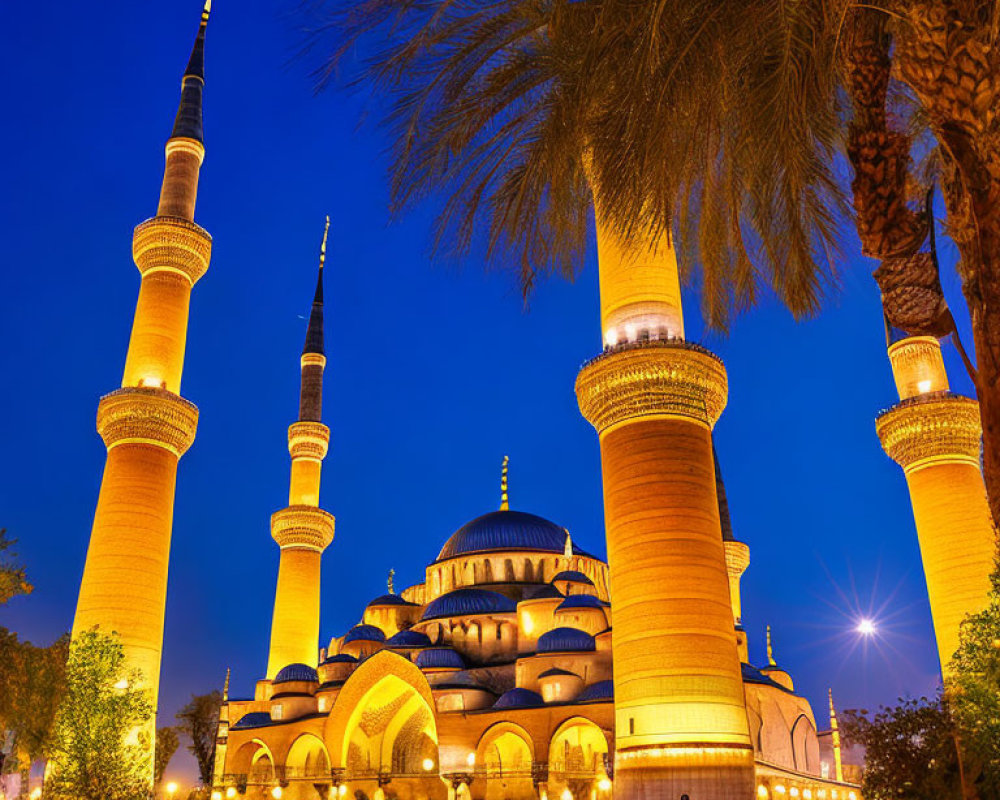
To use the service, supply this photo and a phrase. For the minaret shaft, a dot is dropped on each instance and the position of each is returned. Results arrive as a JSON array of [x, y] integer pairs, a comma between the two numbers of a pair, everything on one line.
[[680, 715], [147, 426], [935, 437]]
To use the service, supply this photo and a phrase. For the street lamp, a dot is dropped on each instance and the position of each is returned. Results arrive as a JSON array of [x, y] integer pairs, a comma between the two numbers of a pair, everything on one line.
[[171, 789]]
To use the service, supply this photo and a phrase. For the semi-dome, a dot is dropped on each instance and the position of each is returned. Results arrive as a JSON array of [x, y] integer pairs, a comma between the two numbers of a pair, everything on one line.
[[581, 601], [459, 680], [555, 672], [602, 690], [565, 640], [295, 672], [364, 633], [252, 720], [507, 530], [574, 576], [409, 639], [389, 600], [440, 658], [753, 675], [519, 698], [544, 592], [464, 602], [341, 658]]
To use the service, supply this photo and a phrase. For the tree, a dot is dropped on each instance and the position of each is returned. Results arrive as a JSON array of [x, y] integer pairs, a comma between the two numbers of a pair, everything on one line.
[[910, 751], [12, 577], [166, 745], [198, 723], [974, 692], [98, 751]]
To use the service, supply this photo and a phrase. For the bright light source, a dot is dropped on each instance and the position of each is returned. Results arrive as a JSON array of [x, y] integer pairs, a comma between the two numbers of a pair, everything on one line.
[[866, 627], [566, 795], [216, 795], [604, 784], [122, 684], [231, 792], [276, 793], [923, 386], [762, 790], [471, 759], [36, 793], [342, 790], [172, 788], [428, 764]]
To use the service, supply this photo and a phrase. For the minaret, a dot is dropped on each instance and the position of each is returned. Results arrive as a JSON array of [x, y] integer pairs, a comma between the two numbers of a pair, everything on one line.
[[504, 499], [935, 437], [303, 530], [146, 425], [838, 764], [772, 670], [737, 561], [680, 715], [221, 737]]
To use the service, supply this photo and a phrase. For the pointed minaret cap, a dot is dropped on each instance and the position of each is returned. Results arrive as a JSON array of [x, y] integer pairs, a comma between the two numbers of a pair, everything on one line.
[[188, 122], [225, 687], [770, 650], [720, 491], [314, 334], [568, 545], [504, 499]]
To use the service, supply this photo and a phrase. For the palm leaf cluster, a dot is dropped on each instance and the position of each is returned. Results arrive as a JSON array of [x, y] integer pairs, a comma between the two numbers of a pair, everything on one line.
[[713, 121]]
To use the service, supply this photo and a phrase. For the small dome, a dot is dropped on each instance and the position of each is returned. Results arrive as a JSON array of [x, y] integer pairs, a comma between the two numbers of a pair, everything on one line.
[[364, 633], [389, 600], [465, 602], [254, 719], [519, 698], [439, 658], [409, 639], [296, 672], [555, 672], [544, 592], [507, 530], [602, 690], [341, 658], [753, 675], [581, 601], [459, 680], [574, 576], [563, 640]]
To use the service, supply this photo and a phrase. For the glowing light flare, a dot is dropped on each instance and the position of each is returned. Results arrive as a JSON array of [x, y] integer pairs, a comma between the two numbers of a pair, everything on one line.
[[923, 386], [866, 627], [566, 795], [216, 795], [604, 784], [342, 790], [276, 793], [172, 788], [471, 759], [36, 793], [428, 764], [762, 791], [122, 685], [231, 792]]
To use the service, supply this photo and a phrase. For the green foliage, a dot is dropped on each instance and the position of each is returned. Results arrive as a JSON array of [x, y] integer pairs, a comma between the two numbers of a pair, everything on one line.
[[198, 723], [693, 116], [12, 577], [910, 751], [98, 747], [974, 692], [167, 742]]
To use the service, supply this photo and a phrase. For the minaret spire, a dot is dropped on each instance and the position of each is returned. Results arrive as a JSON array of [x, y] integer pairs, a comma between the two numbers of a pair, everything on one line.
[[188, 122], [225, 686], [314, 334], [313, 352], [504, 500], [770, 650], [835, 737]]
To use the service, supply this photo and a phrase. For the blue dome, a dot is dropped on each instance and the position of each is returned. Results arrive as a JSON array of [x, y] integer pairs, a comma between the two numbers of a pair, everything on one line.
[[507, 530], [390, 600], [364, 633], [463, 602], [544, 592], [602, 690], [439, 658], [555, 672], [563, 640], [573, 575], [519, 698], [459, 680], [295, 672], [409, 639], [753, 675], [581, 601], [252, 720], [341, 658]]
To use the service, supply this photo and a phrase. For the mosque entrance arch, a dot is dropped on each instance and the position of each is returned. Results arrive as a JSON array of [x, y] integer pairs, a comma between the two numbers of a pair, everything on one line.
[[506, 752], [306, 766], [382, 732], [253, 767], [576, 758]]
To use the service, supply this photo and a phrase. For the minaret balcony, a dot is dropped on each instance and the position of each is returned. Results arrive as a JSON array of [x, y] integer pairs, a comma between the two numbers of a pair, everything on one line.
[[304, 527], [308, 440], [172, 244], [145, 415], [737, 557], [660, 377], [933, 428]]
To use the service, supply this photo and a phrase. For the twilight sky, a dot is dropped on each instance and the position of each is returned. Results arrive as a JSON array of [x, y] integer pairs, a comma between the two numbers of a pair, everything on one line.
[[435, 370]]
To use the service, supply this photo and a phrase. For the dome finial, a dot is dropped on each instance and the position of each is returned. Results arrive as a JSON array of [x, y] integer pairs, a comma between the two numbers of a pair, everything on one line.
[[568, 547], [389, 583], [770, 650], [504, 501], [314, 333], [225, 686]]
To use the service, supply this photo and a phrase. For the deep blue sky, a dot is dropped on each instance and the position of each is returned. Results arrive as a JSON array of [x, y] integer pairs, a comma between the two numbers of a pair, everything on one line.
[[435, 371]]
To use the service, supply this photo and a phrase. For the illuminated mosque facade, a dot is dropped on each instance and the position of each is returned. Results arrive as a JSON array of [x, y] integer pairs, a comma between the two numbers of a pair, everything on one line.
[[522, 666]]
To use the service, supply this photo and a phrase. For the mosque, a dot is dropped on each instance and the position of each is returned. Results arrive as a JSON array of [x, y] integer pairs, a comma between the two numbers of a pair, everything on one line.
[[522, 666]]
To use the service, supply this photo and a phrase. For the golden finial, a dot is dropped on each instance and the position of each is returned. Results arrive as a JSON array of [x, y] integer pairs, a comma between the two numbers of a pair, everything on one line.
[[568, 545], [833, 714], [322, 247], [504, 503], [225, 686], [770, 650], [392, 574], [206, 11]]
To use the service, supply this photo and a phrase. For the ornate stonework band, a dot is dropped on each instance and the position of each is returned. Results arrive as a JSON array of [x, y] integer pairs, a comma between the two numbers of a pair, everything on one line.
[[308, 440], [171, 244], [737, 557], [147, 416], [313, 360], [931, 429], [182, 144], [671, 378], [305, 527]]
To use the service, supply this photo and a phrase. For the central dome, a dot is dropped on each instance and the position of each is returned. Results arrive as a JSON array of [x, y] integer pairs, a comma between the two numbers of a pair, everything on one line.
[[507, 530]]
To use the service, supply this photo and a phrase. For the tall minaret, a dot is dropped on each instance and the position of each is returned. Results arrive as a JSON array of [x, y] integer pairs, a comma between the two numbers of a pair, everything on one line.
[[680, 714], [935, 436], [838, 764], [221, 738], [303, 530], [146, 425]]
